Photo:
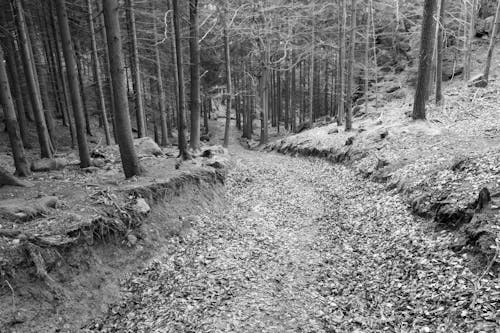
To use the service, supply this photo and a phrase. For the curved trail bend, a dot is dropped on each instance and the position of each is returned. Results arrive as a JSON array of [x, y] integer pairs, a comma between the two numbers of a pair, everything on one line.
[[299, 246]]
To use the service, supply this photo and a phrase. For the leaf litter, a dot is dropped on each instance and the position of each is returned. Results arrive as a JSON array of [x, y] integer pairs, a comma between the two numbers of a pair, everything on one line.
[[305, 246]]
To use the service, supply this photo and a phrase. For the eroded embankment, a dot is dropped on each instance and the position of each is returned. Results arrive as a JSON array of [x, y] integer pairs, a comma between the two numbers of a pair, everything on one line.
[[59, 277], [439, 174]]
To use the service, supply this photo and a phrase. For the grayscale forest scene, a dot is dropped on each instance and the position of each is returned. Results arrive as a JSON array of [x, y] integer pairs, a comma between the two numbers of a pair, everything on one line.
[[274, 166]]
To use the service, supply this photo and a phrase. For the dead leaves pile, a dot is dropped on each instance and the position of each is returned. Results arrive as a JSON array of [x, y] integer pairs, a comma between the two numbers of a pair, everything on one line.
[[305, 246]]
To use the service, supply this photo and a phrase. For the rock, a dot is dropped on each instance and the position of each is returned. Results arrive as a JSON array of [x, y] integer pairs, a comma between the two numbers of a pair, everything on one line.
[[482, 230], [333, 131], [147, 147], [212, 151], [98, 162], [48, 164], [26, 209], [131, 239], [141, 206], [392, 89], [478, 81], [302, 127]]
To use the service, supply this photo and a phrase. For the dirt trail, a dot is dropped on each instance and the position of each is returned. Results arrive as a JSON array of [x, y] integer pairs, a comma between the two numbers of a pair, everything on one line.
[[303, 246]]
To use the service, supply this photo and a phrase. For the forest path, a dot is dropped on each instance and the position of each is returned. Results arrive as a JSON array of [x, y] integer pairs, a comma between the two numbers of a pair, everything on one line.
[[298, 246]]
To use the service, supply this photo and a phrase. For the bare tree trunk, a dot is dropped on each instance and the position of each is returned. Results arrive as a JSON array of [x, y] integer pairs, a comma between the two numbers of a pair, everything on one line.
[[83, 94], [367, 60], [101, 103], [36, 103], [130, 162], [293, 92], [227, 56], [71, 68], [181, 118], [194, 48], [108, 72], [311, 76], [425, 62], [20, 162], [341, 77], [350, 69], [491, 48], [469, 38], [13, 76], [165, 137], [136, 75], [440, 50]]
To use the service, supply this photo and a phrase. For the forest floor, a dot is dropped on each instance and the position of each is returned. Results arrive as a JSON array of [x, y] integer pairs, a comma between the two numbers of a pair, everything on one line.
[[303, 245], [373, 242]]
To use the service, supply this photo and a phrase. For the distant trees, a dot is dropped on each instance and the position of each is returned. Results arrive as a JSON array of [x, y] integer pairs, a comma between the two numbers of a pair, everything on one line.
[[279, 65]]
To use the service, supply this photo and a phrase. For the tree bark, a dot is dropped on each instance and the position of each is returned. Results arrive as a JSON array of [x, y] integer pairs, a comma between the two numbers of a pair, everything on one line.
[[136, 75], [341, 61], [181, 117], [425, 61], [165, 133], [440, 50], [491, 48], [20, 162], [350, 69], [101, 103], [130, 162], [194, 48], [72, 73], [83, 94], [227, 57], [469, 39], [12, 72], [36, 103]]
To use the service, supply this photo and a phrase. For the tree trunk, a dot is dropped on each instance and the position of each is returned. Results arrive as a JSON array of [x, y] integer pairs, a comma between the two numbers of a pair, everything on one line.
[[425, 61], [36, 103], [71, 69], [83, 94], [181, 117], [227, 57], [20, 162], [136, 75], [130, 162], [311, 78], [165, 133], [341, 61], [350, 69], [440, 51], [101, 103], [293, 103], [469, 39], [194, 48], [108, 71], [491, 48], [367, 60], [12, 71]]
